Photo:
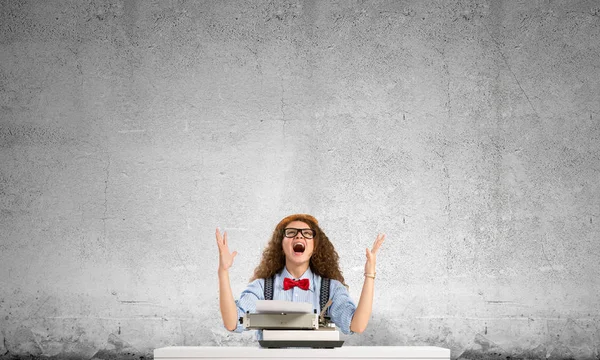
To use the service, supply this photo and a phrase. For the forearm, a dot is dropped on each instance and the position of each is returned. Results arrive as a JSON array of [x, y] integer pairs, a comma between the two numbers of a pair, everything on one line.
[[226, 301], [365, 306]]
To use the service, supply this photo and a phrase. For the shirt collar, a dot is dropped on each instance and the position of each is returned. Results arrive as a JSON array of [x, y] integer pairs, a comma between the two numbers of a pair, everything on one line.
[[308, 274]]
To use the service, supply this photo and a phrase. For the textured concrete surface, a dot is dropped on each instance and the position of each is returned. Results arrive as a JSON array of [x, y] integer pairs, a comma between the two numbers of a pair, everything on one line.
[[468, 131]]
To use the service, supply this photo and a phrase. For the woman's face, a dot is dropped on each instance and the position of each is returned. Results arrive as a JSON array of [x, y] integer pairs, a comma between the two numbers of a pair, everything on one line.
[[298, 248]]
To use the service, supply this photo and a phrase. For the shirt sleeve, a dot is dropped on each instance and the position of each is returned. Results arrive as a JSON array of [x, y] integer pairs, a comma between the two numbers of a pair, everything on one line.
[[342, 307], [247, 302]]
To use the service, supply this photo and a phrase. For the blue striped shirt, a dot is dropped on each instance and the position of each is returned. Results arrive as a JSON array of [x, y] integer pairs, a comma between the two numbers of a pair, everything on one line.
[[341, 310]]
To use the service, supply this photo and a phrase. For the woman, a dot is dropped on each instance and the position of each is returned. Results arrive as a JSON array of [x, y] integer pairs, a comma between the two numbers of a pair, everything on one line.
[[298, 256]]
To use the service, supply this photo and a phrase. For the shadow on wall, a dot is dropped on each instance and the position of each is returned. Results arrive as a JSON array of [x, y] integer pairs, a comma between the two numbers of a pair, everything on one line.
[[384, 332], [381, 332], [25, 346]]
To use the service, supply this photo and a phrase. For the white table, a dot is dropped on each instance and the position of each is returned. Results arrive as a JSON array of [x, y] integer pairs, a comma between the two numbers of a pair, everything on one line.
[[344, 352]]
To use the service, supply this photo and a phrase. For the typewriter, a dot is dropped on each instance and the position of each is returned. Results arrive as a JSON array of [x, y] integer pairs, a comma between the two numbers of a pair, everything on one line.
[[289, 324]]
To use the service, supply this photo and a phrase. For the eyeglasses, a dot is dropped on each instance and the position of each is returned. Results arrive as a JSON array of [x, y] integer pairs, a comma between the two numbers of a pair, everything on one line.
[[291, 232]]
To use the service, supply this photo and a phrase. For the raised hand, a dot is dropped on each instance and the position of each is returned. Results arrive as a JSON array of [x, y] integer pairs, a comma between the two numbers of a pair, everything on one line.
[[372, 254], [225, 257]]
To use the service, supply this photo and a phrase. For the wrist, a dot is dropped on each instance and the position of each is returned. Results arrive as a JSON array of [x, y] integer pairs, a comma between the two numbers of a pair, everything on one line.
[[370, 275]]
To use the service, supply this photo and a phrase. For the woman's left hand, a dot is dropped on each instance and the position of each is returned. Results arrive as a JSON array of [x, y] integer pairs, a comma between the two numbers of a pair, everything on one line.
[[372, 254]]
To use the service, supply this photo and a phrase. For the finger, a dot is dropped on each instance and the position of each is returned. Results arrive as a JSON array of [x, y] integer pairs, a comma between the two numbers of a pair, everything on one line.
[[233, 255], [225, 238], [378, 242], [219, 239]]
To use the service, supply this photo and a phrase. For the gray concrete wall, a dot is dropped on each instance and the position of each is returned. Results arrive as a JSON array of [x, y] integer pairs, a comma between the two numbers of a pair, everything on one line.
[[468, 131]]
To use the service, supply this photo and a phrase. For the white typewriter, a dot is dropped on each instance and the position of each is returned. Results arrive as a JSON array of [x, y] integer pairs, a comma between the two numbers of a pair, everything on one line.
[[291, 324]]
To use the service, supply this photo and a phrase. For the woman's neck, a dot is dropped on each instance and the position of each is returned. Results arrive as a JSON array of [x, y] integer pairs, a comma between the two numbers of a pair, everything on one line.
[[296, 270]]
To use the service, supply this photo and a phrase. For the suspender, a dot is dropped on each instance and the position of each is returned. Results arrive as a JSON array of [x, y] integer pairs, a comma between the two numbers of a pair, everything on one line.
[[323, 298], [269, 288]]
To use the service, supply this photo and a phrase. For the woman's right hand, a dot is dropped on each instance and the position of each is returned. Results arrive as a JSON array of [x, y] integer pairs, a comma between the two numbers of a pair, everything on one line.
[[225, 257]]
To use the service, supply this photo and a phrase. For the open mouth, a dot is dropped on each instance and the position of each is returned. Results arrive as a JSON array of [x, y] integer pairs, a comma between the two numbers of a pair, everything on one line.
[[299, 247]]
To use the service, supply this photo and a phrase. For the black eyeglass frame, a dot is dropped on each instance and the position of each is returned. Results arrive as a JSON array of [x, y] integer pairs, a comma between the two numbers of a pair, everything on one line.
[[301, 231]]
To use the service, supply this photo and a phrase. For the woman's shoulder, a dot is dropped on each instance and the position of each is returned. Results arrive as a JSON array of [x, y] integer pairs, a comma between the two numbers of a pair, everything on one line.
[[336, 286], [336, 283], [255, 288], [256, 284], [333, 283]]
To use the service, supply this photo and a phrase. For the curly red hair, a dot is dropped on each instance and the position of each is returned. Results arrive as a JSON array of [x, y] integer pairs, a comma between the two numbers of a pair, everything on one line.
[[324, 260]]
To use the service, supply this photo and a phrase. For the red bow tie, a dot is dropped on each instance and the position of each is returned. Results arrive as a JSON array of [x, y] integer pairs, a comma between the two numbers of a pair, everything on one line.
[[290, 283]]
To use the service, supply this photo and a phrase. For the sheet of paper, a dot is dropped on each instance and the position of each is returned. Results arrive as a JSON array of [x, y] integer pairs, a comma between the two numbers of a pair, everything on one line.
[[280, 306]]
